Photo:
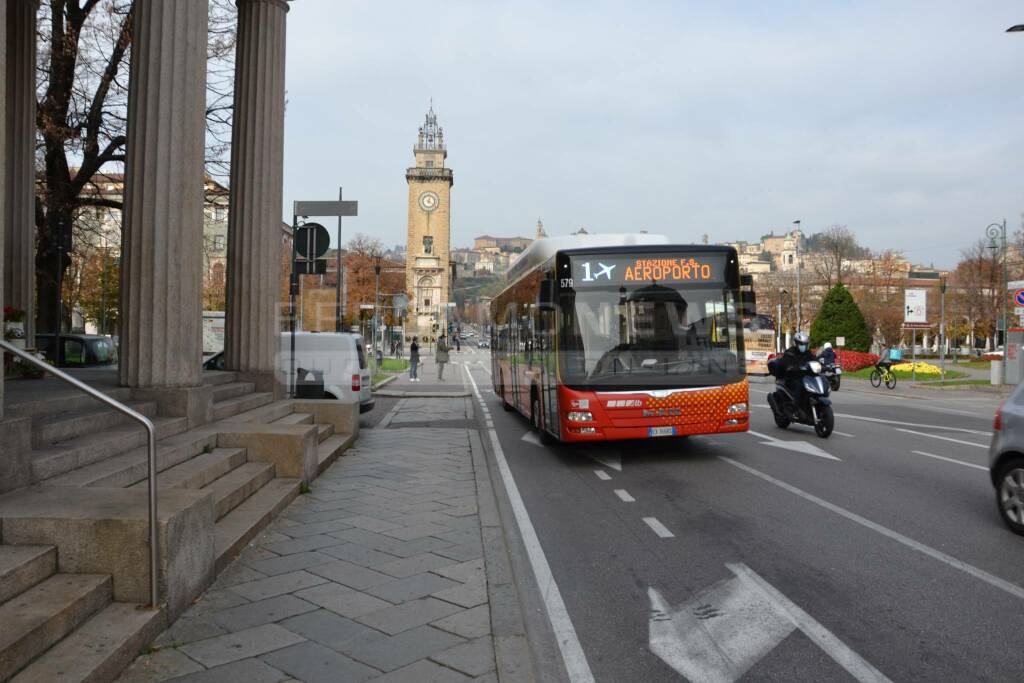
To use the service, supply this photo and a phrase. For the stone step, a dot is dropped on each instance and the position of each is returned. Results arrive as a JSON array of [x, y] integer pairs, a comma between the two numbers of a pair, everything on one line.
[[295, 419], [222, 392], [99, 649], [216, 377], [239, 404], [36, 619], [241, 525], [324, 431], [62, 458], [23, 566], [331, 449], [197, 472], [67, 425], [234, 487], [264, 414], [62, 401]]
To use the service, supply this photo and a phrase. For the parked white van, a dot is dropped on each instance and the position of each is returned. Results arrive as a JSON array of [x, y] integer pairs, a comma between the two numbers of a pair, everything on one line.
[[338, 358]]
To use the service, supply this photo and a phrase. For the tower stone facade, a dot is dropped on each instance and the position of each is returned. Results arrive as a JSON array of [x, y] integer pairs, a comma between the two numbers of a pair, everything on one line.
[[427, 272]]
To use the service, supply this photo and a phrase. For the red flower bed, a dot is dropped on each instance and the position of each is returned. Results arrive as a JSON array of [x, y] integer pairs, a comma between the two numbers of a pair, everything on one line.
[[990, 356], [855, 360]]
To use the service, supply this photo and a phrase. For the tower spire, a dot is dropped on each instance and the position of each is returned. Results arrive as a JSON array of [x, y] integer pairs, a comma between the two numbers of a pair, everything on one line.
[[431, 135]]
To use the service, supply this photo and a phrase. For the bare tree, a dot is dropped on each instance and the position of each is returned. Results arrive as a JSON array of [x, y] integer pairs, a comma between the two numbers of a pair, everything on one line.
[[82, 89], [838, 246], [977, 283]]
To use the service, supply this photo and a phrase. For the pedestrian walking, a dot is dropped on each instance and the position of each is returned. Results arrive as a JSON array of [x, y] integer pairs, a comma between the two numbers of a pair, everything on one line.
[[441, 356], [414, 360], [458, 345]]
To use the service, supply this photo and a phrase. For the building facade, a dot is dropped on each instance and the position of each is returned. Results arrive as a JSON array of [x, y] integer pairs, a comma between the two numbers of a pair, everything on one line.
[[427, 272]]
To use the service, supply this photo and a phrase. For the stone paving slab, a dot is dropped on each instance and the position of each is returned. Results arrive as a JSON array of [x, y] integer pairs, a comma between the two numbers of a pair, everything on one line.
[[378, 573]]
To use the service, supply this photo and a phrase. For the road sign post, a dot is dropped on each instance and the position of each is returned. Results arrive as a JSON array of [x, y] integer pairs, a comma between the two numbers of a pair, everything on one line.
[[915, 315]]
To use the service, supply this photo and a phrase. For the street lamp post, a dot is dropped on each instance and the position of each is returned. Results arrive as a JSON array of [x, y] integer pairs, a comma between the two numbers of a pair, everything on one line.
[[799, 299], [942, 329], [994, 231], [377, 353]]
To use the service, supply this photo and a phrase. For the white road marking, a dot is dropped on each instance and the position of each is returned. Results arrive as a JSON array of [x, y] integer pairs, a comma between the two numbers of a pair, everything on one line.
[[531, 437], [943, 438], [624, 496], [798, 446], [822, 637], [991, 579], [602, 475], [573, 656], [843, 434], [484, 367], [608, 460], [911, 424], [952, 460], [658, 527]]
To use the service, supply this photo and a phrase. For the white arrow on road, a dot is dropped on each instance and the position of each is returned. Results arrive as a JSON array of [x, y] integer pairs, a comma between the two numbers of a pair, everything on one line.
[[720, 633], [612, 460], [531, 437], [798, 446]]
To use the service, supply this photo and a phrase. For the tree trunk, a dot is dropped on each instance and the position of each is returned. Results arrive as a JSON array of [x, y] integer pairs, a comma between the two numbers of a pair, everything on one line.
[[50, 267]]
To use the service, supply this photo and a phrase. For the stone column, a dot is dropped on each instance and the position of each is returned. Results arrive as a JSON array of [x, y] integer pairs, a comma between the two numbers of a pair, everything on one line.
[[19, 140], [252, 331], [161, 286]]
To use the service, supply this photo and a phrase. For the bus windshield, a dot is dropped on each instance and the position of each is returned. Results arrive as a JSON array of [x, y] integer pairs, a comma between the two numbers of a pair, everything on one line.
[[644, 333]]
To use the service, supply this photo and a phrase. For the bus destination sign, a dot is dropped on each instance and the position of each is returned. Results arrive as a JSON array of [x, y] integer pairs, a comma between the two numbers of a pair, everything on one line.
[[665, 269]]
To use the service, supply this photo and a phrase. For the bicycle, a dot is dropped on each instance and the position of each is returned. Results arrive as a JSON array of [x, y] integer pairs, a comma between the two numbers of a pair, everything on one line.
[[883, 373]]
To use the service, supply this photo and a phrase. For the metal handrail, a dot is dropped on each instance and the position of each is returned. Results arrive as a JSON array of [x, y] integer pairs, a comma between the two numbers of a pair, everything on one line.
[[154, 551]]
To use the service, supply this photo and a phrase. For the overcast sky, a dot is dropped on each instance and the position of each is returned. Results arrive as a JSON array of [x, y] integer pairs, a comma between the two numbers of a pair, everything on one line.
[[903, 121]]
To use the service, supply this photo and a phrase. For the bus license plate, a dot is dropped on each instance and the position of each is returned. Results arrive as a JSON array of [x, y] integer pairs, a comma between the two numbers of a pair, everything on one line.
[[661, 431]]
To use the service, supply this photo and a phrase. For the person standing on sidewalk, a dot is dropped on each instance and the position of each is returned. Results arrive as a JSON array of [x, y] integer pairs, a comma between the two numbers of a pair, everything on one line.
[[414, 360], [441, 356]]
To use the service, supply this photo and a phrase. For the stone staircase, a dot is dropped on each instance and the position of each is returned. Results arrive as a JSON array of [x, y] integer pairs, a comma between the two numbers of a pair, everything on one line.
[[54, 623], [66, 626]]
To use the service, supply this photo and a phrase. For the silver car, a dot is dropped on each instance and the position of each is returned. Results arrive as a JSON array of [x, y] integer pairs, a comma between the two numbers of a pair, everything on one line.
[[1006, 460]]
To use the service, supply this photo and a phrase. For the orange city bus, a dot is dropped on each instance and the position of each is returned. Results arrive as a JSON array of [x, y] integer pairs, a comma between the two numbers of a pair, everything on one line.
[[608, 337]]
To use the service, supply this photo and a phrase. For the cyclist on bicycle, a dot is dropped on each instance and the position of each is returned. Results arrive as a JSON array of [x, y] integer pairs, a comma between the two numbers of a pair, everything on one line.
[[885, 359]]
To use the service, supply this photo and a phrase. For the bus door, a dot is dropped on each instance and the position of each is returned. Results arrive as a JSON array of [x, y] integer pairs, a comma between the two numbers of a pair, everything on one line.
[[513, 354], [548, 378]]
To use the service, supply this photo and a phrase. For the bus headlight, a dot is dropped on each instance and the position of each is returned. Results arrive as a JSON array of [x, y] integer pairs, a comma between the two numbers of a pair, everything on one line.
[[580, 416], [736, 408]]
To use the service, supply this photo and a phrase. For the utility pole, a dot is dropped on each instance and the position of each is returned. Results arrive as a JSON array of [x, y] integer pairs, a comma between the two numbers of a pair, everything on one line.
[[799, 299], [377, 353], [993, 231]]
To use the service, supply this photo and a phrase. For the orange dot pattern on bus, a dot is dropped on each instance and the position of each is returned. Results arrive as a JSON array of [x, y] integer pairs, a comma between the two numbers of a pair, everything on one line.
[[702, 409]]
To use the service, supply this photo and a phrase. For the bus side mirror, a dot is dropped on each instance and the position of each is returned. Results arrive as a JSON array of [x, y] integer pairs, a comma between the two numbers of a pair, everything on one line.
[[546, 295]]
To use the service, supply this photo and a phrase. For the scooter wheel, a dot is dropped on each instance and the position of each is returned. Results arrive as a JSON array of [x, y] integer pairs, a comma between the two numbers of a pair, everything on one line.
[[826, 421]]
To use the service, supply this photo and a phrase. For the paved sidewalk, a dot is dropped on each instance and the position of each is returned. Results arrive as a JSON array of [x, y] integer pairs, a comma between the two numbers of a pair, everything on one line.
[[387, 571]]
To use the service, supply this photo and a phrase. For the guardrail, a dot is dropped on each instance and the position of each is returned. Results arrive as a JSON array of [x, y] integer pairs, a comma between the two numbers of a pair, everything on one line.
[[154, 550]]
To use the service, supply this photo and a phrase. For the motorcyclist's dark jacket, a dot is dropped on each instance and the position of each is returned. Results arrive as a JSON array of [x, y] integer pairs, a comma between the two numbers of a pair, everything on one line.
[[792, 359], [828, 356]]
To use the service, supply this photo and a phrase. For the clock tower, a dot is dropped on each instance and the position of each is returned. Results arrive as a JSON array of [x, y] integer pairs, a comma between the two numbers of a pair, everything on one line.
[[429, 239]]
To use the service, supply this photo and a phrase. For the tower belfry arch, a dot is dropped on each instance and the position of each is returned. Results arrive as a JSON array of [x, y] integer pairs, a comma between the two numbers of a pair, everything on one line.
[[428, 245]]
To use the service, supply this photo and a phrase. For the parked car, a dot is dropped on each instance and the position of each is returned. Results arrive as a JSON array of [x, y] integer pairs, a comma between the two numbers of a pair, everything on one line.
[[484, 344], [1006, 460], [80, 350], [338, 358]]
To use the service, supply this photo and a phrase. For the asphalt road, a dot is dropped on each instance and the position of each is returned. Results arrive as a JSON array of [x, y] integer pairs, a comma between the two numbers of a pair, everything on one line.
[[879, 549]]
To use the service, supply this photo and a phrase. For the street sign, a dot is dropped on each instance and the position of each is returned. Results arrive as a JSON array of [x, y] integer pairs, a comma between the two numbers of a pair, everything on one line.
[[840, 341], [451, 304], [312, 241], [366, 307], [400, 301], [1018, 297], [328, 208], [916, 326], [915, 308]]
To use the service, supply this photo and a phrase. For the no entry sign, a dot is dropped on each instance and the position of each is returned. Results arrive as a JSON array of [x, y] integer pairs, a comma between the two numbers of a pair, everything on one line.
[[1018, 297]]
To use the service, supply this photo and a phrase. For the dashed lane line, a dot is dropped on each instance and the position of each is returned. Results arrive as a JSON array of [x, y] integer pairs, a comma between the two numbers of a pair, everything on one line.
[[943, 438], [952, 460], [944, 428], [658, 527], [602, 475], [624, 496], [576, 665], [991, 579]]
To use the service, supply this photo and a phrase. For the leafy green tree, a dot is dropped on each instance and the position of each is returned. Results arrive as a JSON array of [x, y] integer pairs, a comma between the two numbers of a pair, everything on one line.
[[839, 316]]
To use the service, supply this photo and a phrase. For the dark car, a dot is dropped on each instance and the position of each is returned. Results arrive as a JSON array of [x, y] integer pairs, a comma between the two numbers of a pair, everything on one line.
[[80, 350]]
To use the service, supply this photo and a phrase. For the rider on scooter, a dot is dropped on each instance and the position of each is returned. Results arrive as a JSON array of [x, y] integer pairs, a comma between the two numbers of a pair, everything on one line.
[[828, 356], [796, 356]]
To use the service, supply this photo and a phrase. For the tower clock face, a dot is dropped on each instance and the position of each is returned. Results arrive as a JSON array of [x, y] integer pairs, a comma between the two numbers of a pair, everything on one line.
[[429, 201]]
